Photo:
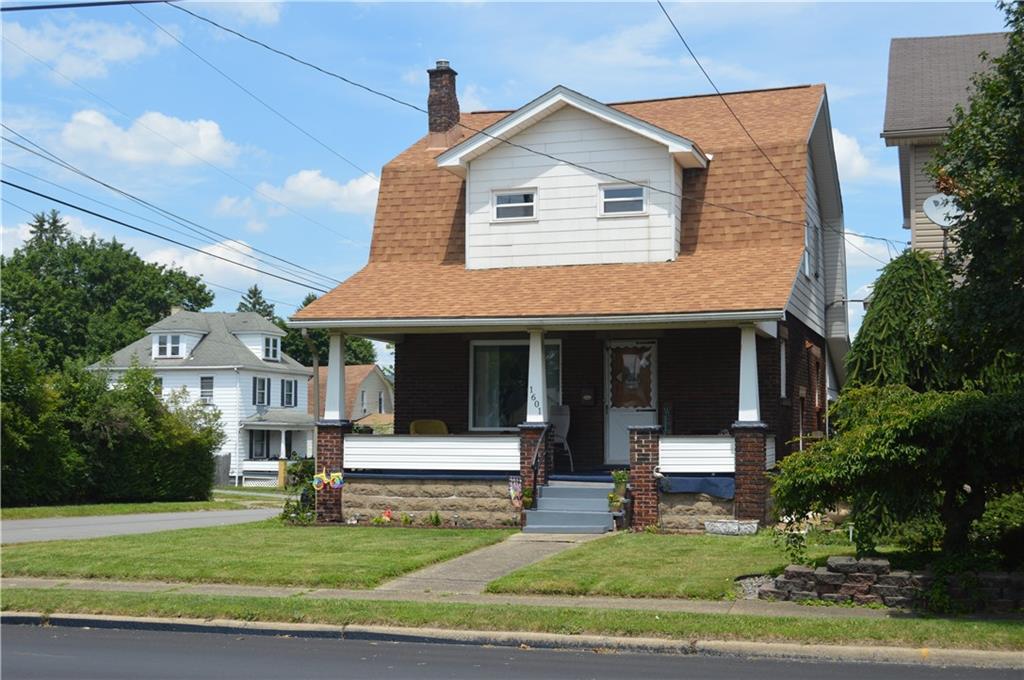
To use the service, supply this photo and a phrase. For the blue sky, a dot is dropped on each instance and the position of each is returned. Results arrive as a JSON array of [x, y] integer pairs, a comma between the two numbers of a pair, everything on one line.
[[239, 169]]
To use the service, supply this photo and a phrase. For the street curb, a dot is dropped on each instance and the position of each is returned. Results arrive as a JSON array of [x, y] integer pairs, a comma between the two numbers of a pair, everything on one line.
[[848, 653]]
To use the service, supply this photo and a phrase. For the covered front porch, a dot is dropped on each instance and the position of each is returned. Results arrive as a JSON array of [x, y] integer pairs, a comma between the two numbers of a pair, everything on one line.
[[268, 437], [565, 403]]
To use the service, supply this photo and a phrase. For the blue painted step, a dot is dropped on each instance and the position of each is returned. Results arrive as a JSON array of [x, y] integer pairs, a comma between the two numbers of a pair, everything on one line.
[[571, 507]]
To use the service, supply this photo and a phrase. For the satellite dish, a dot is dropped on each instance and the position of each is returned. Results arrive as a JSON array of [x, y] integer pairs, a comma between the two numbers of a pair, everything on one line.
[[942, 210]]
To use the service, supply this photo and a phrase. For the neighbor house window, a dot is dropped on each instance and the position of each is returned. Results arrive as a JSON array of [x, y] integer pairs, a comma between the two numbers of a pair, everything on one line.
[[514, 205], [289, 392], [206, 389], [622, 199], [499, 381], [261, 391], [259, 444], [158, 387], [362, 401], [380, 402], [168, 346], [272, 348], [809, 250]]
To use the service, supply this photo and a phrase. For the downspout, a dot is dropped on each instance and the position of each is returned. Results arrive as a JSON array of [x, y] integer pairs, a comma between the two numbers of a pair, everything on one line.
[[238, 430]]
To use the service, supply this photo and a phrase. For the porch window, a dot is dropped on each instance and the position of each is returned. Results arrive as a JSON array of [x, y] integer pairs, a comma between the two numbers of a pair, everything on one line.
[[499, 381], [259, 444], [622, 199], [289, 389], [514, 205], [261, 391]]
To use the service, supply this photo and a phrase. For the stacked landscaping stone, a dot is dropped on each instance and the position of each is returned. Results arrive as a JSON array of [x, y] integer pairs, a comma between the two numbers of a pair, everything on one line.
[[845, 579]]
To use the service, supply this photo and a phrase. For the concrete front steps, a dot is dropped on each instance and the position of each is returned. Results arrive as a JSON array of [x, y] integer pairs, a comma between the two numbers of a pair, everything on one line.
[[571, 508]]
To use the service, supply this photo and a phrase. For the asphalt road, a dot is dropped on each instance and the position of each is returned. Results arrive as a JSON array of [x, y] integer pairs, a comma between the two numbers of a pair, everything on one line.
[[58, 528], [44, 652]]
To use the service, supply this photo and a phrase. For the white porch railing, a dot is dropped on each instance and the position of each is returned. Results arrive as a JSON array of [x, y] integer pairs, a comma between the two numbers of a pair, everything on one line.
[[697, 453], [262, 465], [498, 453]]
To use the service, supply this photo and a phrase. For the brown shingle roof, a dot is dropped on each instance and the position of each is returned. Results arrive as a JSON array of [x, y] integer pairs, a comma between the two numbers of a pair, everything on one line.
[[729, 261], [354, 377]]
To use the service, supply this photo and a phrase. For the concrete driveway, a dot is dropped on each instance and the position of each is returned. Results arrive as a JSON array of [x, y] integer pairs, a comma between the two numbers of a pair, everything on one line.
[[70, 528]]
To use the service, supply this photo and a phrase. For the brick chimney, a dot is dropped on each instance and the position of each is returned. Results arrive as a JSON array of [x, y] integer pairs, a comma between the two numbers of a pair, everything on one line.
[[443, 106]]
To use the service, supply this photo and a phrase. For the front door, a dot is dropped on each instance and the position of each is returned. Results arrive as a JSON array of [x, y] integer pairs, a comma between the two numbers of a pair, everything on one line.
[[631, 394]]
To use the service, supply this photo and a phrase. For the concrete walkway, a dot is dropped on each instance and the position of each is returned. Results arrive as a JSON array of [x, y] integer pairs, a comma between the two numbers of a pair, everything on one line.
[[732, 607], [94, 526], [471, 572]]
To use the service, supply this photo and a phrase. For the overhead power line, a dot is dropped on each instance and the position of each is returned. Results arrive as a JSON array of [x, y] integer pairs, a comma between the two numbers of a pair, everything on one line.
[[216, 167], [154, 234], [256, 97], [470, 128], [183, 221], [76, 5]]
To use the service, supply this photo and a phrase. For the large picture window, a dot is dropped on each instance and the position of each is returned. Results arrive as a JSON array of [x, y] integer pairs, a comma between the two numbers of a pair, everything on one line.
[[499, 381]]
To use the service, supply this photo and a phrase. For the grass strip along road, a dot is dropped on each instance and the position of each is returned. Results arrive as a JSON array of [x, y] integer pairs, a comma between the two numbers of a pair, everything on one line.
[[911, 632]]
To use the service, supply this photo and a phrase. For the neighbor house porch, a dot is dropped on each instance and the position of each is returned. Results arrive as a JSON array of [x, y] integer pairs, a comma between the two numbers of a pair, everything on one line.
[[267, 437]]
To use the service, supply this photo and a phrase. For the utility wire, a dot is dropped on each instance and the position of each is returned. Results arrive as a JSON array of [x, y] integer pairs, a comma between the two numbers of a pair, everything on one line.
[[502, 140], [185, 222], [252, 94], [171, 142], [746, 131], [75, 5], [153, 234]]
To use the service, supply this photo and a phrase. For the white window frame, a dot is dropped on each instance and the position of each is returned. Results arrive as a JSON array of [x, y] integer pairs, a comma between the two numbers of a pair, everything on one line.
[[808, 250], [206, 395], [168, 346], [265, 384], [505, 192], [492, 343], [602, 200], [271, 348], [289, 393]]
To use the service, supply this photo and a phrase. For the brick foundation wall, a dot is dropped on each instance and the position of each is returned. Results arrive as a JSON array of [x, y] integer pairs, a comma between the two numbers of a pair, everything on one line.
[[751, 499], [532, 436], [643, 487], [459, 502], [330, 455]]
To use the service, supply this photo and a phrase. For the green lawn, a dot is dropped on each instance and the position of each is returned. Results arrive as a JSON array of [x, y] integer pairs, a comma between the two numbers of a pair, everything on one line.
[[656, 565], [38, 512], [261, 553], [916, 632]]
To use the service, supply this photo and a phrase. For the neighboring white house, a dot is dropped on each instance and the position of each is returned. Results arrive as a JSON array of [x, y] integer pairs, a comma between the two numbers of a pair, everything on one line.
[[233, 362]]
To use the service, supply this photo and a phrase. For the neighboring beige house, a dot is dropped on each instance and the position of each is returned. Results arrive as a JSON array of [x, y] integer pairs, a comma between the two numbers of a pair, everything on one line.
[[928, 77], [369, 395]]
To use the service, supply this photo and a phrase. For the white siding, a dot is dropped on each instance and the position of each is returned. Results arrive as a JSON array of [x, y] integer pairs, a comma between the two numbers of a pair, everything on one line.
[[712, 453], [373, 385], [254, 341], [568, 228], [497, 453], [188, 342], [924, 234], [807, 302]]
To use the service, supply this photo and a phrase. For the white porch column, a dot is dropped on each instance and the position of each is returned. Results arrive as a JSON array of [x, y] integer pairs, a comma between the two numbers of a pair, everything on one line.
[[536, 389], [334, 404], [284, 452], [750, 403]]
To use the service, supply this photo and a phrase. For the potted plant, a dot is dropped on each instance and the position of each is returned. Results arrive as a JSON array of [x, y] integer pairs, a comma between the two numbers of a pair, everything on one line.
[[527, 499], [614, 502], [620, 478]]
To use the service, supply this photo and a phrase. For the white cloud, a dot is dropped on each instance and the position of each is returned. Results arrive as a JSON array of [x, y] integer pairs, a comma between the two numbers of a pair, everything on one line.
[[855, 165], [15, 237], [855, 310], [78, 49], [202, 264], [152, 138], [245, 11], [312, 188], [471, 99], [233, 206], [861, 252]]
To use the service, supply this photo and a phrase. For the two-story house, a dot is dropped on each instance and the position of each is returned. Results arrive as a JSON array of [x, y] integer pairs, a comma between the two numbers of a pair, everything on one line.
[[586, 272], [928, 77], [234, 363]]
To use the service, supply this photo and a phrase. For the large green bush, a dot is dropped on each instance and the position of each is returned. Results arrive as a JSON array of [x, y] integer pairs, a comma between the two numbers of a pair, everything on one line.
[[71, 437], [1001, 529]]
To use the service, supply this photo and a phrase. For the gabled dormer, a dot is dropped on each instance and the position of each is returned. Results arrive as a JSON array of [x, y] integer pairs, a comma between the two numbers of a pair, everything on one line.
[[174, 337], [568, 180], [259, 335]]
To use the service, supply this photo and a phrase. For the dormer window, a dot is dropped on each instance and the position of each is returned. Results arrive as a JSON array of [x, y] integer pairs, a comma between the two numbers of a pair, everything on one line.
[[514, 205], [272, 349], [168, 346], [623, 199]]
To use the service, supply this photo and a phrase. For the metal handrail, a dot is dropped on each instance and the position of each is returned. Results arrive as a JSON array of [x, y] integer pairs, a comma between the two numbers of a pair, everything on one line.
[[542, 439]]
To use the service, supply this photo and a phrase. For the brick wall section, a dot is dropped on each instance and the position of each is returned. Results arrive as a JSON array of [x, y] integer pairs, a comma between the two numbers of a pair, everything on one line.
[[751, 482], [432, 381], [532, 436], [643, 458], [330, 455]]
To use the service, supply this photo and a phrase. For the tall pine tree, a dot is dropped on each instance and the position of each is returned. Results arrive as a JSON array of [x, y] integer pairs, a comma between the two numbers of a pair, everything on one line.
[[253, 301]]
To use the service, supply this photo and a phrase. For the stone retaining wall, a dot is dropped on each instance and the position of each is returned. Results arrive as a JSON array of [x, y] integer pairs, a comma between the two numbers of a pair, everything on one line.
[[459, 502], [688, 511], [872, 581]]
